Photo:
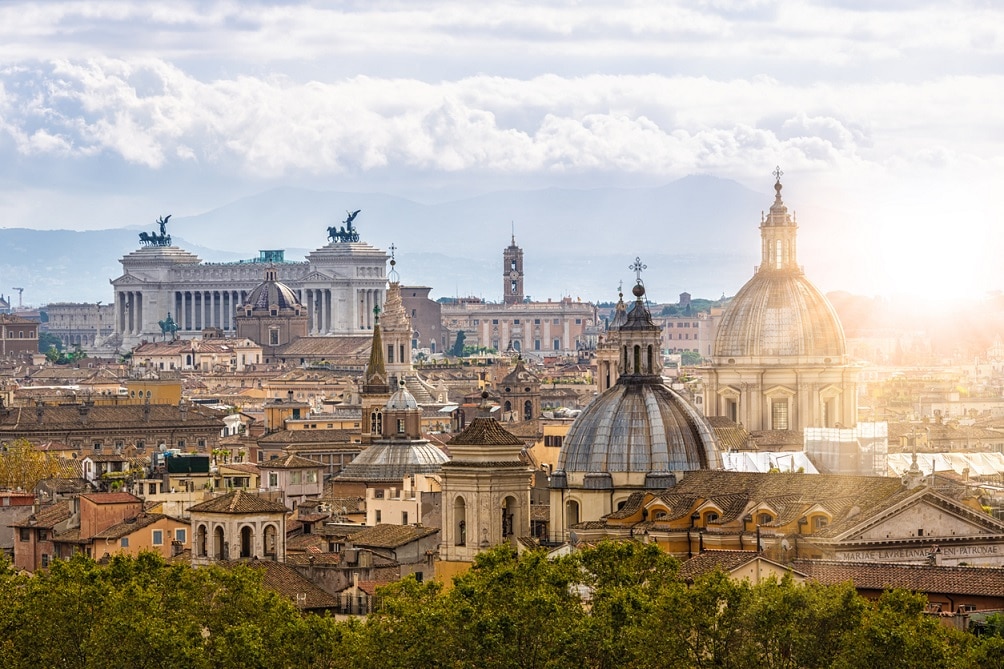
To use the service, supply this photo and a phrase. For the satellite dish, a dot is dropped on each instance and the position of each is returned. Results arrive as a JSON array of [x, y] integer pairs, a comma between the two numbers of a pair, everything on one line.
[[574, 538], [785, 545]]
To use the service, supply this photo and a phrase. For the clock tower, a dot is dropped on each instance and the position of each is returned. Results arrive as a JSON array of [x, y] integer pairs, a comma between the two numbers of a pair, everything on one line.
[[512, 273]]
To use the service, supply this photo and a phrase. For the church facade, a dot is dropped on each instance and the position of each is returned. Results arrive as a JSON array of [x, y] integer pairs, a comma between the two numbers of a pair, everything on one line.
[[338, 285], [779, 359]]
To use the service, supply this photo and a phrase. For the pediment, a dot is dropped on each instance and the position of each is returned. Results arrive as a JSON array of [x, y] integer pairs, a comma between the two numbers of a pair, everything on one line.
[[127, 280], [779, 391], [729, 392], [321, 277], [929, 515]]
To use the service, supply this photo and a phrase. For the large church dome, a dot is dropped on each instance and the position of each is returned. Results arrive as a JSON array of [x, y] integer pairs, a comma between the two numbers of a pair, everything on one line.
[[639, 426], [779, 313]]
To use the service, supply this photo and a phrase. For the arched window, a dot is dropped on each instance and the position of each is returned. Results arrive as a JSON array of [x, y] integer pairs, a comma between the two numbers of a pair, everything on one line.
[[247, 542], [637, 359], [460, 521], [527, 410], [201, 537], [571, 513], [270, 534], [376, 422], [219, 545]]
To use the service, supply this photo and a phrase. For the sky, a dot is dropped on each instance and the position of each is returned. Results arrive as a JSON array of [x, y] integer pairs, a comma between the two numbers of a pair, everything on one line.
[[883, 114]]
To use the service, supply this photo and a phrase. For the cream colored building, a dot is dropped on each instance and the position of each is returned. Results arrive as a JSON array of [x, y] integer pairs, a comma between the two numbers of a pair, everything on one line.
[[238, 525], [206, 355], [543, 328], [637, 435], [779, 360], [339, 284]]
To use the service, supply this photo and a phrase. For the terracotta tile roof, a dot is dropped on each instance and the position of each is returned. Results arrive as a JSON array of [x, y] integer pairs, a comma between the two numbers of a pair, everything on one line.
[[288, 582], [25, 420], [311, 558], [239, 501], [111, 498], [290, 462], [730, 435], [984, 581], [711, 560], [631, 506], [871, 493], [48, 516], [483, 431], [304, 437], [776, 439], [370, 587], [304, 541], [350, 346], [390, 536], [245, 467]]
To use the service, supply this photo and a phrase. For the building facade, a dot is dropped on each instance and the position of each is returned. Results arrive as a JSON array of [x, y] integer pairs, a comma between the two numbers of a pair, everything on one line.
[[338, 285], [18, 336], [78, 324], [779, 360]]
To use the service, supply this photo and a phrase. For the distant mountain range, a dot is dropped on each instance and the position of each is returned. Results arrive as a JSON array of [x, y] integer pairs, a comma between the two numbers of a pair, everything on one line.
[[698, 235]]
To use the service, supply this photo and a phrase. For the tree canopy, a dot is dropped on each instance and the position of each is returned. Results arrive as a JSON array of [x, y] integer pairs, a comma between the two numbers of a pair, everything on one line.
[[612, 605]]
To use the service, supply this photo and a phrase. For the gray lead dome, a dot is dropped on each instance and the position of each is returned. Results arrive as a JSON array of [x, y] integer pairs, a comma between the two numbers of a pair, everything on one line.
[[639, 426]]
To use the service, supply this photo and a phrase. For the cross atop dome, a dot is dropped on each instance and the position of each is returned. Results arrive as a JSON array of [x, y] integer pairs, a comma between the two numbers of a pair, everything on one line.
[[393, 275]]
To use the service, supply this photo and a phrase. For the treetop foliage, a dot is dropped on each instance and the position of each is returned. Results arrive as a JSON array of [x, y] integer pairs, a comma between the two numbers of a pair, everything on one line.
[[612, 605]]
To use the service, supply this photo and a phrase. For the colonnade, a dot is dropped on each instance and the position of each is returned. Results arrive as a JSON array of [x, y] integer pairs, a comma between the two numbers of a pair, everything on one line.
[[328, 311], [129, 312], [200, 309]]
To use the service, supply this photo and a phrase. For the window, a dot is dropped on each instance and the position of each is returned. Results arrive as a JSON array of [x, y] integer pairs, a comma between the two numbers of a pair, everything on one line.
[[97, 445], [376, 515], [158, 537], [202, 443], [45, 559], [556, 321], [557, 344], [764, 519], [404, 517], [578, 321], [515, 321], [181, 443], [181, 535], [24, 533], [495, 321], [536, 344], [310, 476], [124, 542], [400, 426], [536, 321], [273, 479], [273, 336], [779, 414]]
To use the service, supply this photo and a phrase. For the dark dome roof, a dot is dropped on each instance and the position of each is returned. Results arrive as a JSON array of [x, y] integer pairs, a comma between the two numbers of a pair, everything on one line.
[[780, 314], [272, 292], [639, 426]]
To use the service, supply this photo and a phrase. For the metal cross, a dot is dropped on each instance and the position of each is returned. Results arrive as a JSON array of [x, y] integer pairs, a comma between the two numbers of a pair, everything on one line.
[[376, 311], [777, 173], [620, 286], [392, 249], [637, 268]]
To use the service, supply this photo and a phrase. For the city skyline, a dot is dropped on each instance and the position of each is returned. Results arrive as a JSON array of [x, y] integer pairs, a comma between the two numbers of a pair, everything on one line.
[[880, 114]]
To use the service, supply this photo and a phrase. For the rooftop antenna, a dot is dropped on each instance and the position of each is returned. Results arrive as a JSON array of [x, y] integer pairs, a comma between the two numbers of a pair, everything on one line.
[[20, 291]]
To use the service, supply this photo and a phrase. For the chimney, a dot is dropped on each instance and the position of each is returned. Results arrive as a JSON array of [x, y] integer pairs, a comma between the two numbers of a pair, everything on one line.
[[183, 408], [38, 410], [146, 411]]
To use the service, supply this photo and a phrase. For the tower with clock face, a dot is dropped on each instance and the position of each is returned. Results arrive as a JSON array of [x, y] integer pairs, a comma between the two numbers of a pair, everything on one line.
[[512, 273]]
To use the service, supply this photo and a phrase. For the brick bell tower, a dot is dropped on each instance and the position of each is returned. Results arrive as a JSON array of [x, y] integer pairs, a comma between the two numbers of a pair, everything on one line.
[[512, 273]]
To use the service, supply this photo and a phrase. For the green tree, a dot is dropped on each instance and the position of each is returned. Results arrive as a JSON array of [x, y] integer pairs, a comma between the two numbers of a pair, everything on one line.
[[516, 611], [895, 633], [458, 345]]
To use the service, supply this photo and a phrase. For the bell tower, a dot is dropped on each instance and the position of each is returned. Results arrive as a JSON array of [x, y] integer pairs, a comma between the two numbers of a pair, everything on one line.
[[512, 273]]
